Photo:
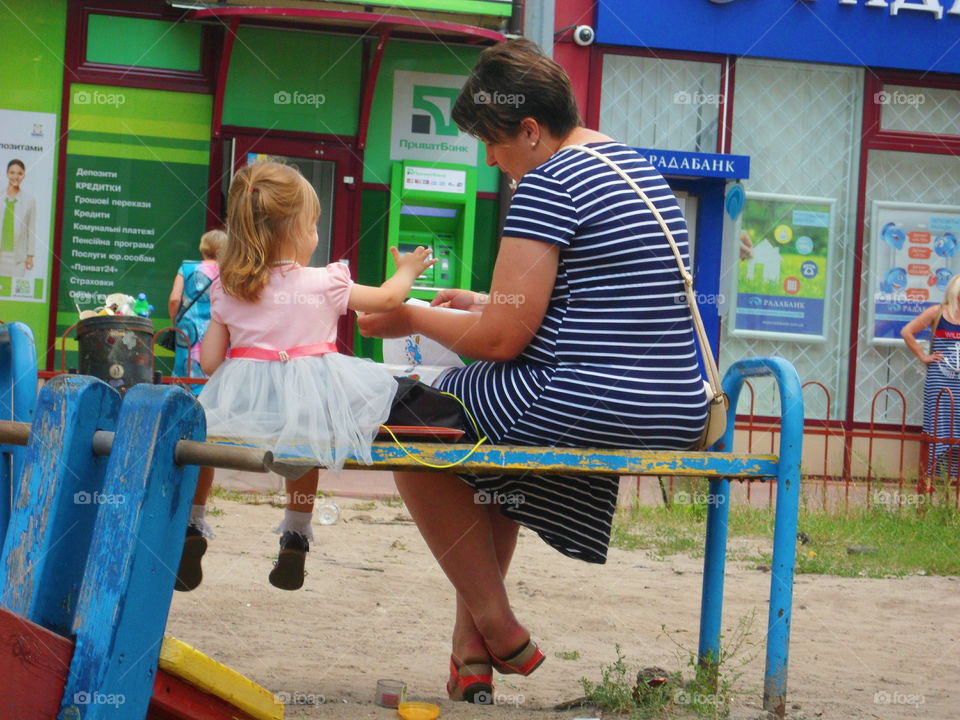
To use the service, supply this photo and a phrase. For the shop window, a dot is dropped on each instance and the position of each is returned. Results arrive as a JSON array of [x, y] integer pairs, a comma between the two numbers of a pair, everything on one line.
[[800, 125], [910, 190], [143, 42], [912, 109], [658, 103]]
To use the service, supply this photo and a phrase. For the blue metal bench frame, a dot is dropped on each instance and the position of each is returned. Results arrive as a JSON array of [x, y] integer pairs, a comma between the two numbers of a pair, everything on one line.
[[111, 587]]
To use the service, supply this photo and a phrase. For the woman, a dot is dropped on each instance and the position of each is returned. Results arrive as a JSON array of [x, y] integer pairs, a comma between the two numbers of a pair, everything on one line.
[[582, 342], [17, 225], [941, 358]]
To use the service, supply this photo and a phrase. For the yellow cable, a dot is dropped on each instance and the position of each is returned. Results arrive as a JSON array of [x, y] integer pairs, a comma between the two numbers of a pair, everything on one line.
[[423, 462], [476, 431]]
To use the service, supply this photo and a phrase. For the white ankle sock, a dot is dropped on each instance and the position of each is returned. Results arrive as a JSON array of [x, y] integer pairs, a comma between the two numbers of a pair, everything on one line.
[[298, 522], [198, 519]]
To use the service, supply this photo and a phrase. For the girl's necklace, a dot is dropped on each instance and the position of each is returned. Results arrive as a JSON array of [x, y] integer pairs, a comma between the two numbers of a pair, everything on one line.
[[284, 262]]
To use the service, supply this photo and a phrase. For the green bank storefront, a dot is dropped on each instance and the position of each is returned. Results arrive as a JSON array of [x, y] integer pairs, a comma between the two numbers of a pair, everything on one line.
[[131, 117]]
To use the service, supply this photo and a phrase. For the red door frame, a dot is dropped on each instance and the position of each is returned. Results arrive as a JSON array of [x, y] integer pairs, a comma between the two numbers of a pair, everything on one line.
[[873, 137], [343, 239]]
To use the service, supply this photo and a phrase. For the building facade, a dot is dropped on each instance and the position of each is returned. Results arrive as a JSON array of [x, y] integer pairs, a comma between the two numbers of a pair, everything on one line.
[[849, 112]]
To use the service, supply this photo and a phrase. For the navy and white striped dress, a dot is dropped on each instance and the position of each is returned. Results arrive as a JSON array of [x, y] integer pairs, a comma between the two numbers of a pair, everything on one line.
[[943, 422], [614, 363]]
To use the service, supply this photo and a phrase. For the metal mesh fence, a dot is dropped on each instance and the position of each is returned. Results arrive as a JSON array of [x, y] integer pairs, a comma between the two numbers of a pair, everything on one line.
[[657, 103], [920, 110], [800, 125]]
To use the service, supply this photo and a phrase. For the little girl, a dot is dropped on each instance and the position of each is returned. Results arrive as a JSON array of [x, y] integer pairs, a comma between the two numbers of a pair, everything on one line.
[[283, 384]]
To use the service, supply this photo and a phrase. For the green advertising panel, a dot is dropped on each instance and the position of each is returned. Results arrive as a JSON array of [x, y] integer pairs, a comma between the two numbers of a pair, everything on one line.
[[146, 42], [134, 200], [34, 32], [783, 276], [410, 117], [497, 8], [294, 81]]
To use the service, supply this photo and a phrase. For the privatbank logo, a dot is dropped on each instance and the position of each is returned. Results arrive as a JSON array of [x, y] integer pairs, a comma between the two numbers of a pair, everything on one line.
[[422, 126], [437, 103]]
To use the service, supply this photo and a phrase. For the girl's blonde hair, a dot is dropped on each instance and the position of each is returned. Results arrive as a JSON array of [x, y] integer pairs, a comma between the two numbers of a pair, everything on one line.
[[951, 296], [268, 203], [211, 243]]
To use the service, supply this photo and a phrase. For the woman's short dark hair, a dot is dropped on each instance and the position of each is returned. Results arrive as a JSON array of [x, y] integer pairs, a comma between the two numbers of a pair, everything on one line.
[[16, 162], [512, 81]]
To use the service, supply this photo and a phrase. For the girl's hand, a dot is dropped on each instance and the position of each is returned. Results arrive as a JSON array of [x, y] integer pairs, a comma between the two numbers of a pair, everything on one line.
[[459, 299], [930, 359], [393, 324], [413, 262]]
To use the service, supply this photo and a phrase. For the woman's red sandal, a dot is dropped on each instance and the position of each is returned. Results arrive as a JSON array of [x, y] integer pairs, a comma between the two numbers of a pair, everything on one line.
[[523, 662], [471, 683]]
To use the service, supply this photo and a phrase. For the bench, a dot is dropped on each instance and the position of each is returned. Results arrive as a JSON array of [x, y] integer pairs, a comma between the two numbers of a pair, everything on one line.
[[86, 412]]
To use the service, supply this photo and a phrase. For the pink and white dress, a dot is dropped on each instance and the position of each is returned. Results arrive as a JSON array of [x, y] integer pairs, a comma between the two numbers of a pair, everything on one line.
[[284, 386]]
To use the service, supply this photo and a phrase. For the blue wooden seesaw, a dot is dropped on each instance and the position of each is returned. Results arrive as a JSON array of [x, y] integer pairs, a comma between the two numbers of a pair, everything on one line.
[[91, 543], [103, 571]]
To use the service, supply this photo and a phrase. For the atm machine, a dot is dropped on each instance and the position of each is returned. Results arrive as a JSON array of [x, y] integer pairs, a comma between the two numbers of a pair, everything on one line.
[[434, 205]]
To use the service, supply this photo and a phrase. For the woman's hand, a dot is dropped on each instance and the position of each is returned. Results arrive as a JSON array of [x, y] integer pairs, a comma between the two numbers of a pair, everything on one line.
[[460, 300], [932, 358], [393, 324]]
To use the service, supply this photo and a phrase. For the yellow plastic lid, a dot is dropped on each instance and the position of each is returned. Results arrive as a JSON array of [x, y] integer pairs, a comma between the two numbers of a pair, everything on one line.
[[418, 711]]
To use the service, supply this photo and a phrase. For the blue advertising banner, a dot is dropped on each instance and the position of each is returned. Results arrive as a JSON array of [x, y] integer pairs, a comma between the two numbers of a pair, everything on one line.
[[914, 251], [694, 164], [907, 34], [772, 314]]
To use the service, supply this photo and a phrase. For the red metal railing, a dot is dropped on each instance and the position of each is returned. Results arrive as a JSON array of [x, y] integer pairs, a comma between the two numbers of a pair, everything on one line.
[[856, 479]]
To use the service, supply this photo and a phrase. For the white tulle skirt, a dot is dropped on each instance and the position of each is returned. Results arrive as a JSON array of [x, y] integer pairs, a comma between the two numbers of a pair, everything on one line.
[[307, 411]]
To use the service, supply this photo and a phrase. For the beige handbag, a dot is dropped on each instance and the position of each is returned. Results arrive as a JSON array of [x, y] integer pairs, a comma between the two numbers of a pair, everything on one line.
[[719, 402]]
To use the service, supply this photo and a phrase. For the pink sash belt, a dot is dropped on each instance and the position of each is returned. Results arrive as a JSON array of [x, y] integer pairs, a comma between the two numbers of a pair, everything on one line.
[[255, 353]]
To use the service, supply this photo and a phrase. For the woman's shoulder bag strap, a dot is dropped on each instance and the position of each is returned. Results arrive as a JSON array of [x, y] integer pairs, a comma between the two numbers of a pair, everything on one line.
[[713, 374]]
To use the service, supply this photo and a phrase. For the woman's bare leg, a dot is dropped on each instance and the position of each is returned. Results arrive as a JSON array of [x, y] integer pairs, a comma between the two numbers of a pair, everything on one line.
[[469, 544], [468, 646]]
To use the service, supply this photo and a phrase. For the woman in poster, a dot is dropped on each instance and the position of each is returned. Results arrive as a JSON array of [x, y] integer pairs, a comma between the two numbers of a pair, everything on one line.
[[941, 390], [17, 227]]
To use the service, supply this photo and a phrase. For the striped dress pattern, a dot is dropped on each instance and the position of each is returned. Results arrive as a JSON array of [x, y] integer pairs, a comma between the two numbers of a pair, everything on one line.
[[614, 363], [942, 421]]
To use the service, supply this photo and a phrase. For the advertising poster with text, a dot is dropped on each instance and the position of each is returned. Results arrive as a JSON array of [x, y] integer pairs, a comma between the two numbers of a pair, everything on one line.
[[28, 150], [783, 281], [134, 203], [914, 253]]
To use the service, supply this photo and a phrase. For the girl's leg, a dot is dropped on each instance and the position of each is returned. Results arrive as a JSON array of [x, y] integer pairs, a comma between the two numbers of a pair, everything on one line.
[[296, 531], [466, 541], [204, 483], [190, 571], [302, 492]]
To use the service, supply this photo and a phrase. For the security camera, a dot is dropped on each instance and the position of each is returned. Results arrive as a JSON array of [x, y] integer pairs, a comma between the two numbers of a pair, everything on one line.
[[584, 35]]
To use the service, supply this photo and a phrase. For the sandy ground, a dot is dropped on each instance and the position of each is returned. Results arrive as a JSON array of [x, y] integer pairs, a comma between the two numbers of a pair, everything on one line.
[[375, 605]]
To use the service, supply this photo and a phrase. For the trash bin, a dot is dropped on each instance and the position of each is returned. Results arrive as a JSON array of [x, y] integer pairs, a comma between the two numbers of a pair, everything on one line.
[[118, 349]]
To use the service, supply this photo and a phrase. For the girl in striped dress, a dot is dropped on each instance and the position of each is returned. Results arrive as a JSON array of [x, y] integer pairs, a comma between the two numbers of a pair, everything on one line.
[[585, 340], [942, 360]]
